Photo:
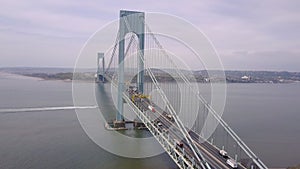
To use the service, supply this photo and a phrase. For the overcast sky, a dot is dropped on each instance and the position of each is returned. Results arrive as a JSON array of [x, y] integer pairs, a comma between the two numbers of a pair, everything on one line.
[[248, 35]]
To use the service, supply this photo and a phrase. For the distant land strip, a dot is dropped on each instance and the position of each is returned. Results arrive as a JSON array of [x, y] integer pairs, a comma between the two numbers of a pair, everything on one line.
[[201, 76]]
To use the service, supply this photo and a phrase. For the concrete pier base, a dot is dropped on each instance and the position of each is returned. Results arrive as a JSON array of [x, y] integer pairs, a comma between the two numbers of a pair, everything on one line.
[[119, 124], [125, 125], [139, 125]]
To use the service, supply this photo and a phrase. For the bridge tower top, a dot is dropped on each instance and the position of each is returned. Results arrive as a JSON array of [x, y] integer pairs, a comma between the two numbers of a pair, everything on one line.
[[131, 21]]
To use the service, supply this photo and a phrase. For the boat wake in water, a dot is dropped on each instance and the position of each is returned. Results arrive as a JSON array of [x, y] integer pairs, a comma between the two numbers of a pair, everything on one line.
[[33, 109]]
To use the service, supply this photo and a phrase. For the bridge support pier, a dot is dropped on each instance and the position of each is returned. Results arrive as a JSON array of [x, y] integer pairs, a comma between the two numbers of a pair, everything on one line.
[[119, 124]]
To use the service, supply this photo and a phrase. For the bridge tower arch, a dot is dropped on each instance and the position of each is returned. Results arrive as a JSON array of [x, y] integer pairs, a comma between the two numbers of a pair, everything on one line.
[[130, 22]]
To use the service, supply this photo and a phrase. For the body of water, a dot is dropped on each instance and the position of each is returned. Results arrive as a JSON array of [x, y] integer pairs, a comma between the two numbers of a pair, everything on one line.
[[265, 116]]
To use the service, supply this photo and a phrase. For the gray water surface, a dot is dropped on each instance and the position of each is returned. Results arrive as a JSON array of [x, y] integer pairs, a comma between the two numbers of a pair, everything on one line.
[[265, 116]]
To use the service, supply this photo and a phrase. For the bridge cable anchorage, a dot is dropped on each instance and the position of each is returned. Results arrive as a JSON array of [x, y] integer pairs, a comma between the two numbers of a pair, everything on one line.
[[247, 150], [182, 128]]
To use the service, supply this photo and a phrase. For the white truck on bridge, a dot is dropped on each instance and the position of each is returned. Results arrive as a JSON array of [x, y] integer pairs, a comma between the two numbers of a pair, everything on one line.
[[232, 163]]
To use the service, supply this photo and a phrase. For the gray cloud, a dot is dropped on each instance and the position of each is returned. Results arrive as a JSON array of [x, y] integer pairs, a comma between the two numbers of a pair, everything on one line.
[[243, 32]]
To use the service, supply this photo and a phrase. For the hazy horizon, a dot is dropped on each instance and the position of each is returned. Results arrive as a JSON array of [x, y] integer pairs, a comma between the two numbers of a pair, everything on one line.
[[53, 67]]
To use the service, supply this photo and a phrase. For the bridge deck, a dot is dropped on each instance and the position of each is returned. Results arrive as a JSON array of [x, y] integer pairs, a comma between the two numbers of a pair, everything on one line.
[[165, 124]]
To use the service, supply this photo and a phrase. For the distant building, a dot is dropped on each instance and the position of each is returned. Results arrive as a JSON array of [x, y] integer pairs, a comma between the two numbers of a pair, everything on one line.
[[245, 77]]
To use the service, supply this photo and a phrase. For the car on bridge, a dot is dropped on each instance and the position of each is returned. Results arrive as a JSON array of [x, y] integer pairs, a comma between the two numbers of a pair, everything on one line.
[[232, 163], [151, 108], [178, 143], [159, 124], [223, 153], [168, 116]]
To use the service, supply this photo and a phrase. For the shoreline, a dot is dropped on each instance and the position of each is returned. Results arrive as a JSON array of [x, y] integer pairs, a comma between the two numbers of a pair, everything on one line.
[[232, 77]]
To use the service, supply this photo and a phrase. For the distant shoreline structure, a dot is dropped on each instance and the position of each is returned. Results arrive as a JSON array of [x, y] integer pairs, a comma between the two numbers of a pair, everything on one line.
[[201, 76]]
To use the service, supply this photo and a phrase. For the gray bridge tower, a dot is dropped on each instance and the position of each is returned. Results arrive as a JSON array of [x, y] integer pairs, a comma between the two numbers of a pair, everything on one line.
[[130, 22], [100, 73]]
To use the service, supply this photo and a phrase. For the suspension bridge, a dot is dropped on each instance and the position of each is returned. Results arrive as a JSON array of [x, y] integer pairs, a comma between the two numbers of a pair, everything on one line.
[[138, 67]]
